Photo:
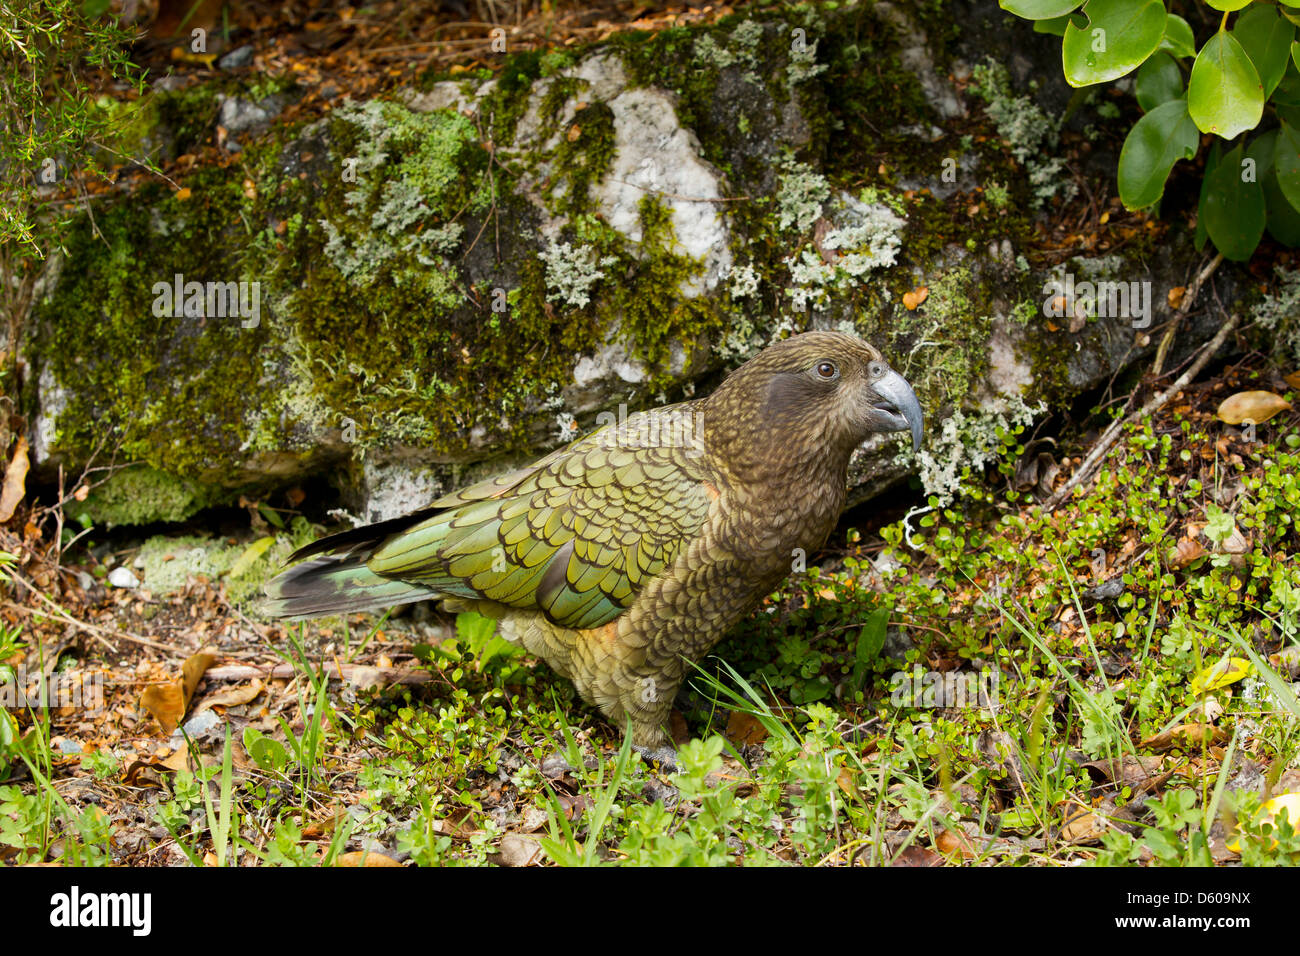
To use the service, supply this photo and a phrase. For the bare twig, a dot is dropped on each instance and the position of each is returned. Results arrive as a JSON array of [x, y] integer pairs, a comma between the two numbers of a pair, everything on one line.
[[94, 630], [1189, 297], [1111, 435], [345, 672]]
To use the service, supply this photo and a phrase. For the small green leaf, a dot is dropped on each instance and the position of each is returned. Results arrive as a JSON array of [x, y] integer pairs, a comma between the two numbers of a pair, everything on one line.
[[1119, 36], [270, 514], [1286, 162], [250, 555], [1178, 38], [1295, 54], [1266, 38], [1019, 818], [1233, 208], [1156, 141], [1039, 9], [872, 637], [267, 753], [474, 629], [1158, 81], [1227, 6], [1225, 95]]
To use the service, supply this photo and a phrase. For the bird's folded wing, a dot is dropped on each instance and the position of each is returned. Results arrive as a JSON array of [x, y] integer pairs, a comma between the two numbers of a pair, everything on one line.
[[576, 536]]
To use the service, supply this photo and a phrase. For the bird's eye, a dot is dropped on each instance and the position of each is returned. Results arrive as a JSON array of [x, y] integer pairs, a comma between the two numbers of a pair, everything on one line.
[[827, 370]]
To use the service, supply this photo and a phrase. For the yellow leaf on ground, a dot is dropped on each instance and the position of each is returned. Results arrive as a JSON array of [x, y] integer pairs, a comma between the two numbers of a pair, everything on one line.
[[1227, 670], [1269, 810], [250, 555]]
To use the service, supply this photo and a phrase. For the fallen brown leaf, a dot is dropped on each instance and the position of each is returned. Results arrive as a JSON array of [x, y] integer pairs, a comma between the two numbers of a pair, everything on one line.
[[917, 856], [1139, 773], [519, 850], [232, 697], [745, 729], [1083, 826], [1184, 735], [1184, 553], [362, 858], [951, 842], [1254, 407], [15, 485], [167, 702]]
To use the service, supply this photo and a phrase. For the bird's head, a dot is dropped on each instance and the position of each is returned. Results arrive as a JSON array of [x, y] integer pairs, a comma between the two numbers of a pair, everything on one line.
[[818, 390]]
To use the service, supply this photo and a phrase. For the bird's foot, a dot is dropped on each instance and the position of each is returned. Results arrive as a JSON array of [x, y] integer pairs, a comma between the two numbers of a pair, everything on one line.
[[665, 757]]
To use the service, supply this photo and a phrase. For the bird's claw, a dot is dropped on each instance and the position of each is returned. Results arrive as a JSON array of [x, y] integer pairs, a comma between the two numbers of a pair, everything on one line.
[[665, 756]]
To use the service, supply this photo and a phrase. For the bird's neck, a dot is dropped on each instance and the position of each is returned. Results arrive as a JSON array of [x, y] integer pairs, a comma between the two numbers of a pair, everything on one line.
[[790, 468]]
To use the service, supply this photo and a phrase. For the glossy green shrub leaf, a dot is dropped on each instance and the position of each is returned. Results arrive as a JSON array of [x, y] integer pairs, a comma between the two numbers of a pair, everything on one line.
[[1211, 164], [1283, 222], [1288, 91], [1286, 161], [1120, 35], [1157, 141], [1178, 39], [1232, 206], [1266, 38], [1158, 81], [1039, 9], [1056, 26], [1261, 150], [1224, 95]]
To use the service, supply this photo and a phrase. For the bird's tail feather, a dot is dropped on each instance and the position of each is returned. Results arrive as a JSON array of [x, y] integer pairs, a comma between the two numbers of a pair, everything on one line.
[[336, 584]]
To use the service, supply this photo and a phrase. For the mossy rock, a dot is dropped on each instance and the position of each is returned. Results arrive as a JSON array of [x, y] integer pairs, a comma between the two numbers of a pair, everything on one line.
[[463, 274]]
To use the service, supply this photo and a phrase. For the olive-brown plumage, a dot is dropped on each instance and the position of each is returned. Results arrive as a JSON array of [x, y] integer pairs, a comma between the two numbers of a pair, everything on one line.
[[632, 550]]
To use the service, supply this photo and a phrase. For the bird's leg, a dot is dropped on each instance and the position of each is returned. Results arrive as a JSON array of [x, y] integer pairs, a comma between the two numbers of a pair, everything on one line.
[[649, 702]]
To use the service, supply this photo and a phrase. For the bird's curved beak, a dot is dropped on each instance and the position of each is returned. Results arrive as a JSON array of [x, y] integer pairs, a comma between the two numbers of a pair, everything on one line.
[[897, 409]]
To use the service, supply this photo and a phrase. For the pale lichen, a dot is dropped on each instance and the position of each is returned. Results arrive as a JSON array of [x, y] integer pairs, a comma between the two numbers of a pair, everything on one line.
[[571, 272], [800, 196], [1279, 313], [1031, 134], [968, 442]]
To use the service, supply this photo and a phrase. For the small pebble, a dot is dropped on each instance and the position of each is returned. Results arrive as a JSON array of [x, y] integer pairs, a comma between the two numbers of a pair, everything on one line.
[[123, 578], [239, 57]]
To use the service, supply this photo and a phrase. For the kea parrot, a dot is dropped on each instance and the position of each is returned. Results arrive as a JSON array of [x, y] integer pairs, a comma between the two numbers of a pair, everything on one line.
[[624, 555]]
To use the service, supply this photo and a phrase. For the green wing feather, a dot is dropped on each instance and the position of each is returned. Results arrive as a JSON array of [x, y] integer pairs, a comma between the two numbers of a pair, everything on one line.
[[576, 535]]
